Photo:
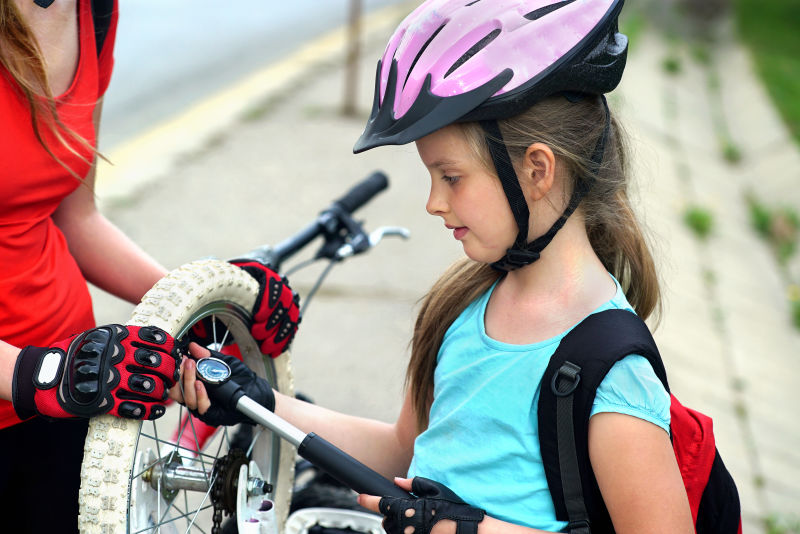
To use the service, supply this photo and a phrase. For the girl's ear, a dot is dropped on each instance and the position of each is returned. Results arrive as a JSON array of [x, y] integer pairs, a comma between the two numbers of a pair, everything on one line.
[[539, 170]]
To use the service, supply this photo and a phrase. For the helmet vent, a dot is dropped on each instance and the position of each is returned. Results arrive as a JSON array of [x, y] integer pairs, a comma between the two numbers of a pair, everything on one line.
[[477, 47], [421, 50], [542, 11]]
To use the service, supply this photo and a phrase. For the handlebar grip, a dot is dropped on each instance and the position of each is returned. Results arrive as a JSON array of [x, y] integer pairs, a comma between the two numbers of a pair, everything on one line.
[[362, 192], [347, 469]]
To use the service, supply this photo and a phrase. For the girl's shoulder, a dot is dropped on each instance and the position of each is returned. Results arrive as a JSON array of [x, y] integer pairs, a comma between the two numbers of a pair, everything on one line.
[[631, 386]]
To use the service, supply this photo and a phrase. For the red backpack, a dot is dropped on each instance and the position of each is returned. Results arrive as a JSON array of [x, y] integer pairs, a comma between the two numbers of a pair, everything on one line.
[[568, 389]]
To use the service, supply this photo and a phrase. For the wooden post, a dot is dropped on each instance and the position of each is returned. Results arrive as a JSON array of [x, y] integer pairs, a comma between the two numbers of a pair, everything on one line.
[[351, 60]]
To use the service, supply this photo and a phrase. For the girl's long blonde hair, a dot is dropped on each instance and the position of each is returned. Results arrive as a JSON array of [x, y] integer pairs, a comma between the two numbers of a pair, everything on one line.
[[23, 61], [571, 130]]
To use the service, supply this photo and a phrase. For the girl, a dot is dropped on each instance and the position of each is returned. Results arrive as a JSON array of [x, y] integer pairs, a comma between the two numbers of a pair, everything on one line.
[[504, 100]]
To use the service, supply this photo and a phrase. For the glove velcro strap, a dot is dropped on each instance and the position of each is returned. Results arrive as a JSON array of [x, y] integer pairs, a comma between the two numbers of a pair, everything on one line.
[[22, 390]]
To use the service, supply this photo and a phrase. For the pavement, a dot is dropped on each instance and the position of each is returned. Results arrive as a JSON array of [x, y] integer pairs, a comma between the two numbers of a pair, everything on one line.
[[257, 163]]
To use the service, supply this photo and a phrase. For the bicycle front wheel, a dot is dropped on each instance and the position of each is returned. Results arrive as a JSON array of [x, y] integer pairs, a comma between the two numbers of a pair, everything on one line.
[[170, 475]]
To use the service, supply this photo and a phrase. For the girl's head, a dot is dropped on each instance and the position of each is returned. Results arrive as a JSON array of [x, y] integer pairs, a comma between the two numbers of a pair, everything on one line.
[[454, 61]]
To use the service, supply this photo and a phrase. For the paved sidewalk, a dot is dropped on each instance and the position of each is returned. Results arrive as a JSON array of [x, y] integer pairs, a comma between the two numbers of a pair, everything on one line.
[[725, 334]]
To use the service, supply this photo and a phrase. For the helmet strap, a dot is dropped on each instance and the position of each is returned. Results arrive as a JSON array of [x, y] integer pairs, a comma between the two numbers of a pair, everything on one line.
[[523, 253]]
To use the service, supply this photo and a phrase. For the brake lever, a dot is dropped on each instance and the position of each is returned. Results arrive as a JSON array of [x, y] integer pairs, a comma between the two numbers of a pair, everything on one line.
[[375, 237]]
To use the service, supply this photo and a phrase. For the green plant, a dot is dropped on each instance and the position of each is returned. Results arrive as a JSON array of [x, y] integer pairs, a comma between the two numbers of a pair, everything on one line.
[[775, 524], [700, 220], [769, 29], [701, 53], [779, 227], [760, 216], [671, 64], [632, 23], [731, 152]]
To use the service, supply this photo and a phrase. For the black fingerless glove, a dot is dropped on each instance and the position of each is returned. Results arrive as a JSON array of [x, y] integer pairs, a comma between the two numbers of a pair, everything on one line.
[[433, 503], [253, 386]]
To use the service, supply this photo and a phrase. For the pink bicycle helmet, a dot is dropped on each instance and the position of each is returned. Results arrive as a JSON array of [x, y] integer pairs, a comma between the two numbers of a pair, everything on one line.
[[485, 60]]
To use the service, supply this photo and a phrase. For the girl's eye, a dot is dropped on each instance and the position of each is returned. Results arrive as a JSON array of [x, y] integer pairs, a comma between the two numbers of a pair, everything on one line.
[[450, 179]]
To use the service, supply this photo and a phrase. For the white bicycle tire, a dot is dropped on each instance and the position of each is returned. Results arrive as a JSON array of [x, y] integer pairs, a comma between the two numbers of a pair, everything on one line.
[[110, 447]]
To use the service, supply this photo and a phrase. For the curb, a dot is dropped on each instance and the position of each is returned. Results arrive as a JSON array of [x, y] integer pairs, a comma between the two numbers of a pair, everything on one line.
[[151, 155]]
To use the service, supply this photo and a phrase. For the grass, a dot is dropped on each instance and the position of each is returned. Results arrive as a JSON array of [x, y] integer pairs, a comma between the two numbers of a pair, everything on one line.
[[632, 23], [782, 525], [699, 220], [770, 29], [779, 227]]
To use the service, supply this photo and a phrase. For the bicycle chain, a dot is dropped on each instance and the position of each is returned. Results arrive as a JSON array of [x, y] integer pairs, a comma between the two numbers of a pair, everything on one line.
[[226, 482]]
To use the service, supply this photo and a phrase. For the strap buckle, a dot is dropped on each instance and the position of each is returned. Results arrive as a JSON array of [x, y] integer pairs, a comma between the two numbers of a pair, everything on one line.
[[514, 259], [580, 526], [568, 371]]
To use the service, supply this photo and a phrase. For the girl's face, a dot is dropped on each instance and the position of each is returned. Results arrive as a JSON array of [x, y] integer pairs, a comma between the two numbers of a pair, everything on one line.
[[466, 196]]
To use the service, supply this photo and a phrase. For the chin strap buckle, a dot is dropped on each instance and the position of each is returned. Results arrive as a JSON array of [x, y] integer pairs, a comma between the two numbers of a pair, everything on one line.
[[514, 259]]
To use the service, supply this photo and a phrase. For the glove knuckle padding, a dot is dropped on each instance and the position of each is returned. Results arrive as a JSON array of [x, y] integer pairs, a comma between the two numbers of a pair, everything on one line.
[[276, 312], [85, 375]]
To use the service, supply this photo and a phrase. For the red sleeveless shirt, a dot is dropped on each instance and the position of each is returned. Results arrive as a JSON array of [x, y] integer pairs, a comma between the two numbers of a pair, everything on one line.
[[43, 295]]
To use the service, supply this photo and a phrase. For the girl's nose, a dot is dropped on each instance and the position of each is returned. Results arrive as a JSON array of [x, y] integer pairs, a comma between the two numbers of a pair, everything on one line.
[[437, 205]]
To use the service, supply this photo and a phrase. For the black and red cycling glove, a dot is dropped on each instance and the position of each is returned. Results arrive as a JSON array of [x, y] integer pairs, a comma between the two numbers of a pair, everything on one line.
[[433, 502], [121, 370], [276, 312]]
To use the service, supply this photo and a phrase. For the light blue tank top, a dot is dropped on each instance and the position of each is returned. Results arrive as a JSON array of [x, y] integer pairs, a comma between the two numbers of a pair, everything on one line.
[[482, 440]]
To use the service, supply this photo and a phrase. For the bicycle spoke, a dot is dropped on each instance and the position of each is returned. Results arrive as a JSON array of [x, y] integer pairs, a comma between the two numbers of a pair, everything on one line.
[[254, 440], [182, 515], [209, 457], [197, 444]]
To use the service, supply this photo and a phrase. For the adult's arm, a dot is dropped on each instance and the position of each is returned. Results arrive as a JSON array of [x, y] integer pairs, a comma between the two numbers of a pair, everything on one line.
[[8, 357], [106, 256]]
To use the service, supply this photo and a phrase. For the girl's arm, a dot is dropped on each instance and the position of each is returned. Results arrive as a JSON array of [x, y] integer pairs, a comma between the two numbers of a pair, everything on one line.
[[638, 476], [637, 473], [385, 447], [105, 255]]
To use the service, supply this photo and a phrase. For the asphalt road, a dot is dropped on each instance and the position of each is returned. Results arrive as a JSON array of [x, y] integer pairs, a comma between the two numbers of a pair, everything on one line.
[[169, 55]]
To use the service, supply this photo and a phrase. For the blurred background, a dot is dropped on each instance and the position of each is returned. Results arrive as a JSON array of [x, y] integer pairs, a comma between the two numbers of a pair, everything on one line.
[[229, 127]]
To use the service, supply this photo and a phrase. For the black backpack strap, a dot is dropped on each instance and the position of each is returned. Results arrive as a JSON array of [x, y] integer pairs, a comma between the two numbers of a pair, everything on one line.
[[570, 382], [101, 13]]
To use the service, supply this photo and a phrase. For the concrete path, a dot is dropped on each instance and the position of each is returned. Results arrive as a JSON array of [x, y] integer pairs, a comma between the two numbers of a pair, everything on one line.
[[211, 183]]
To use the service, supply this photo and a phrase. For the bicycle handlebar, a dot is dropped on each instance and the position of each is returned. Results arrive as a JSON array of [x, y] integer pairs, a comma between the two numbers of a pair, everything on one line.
[[327, 222], [362, 192]]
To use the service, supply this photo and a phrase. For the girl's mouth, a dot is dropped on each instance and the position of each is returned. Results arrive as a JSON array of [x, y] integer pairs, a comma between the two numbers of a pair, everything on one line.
[[460, 232]]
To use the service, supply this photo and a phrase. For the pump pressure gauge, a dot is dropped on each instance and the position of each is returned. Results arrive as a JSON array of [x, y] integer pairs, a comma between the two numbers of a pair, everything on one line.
[[213, 371]]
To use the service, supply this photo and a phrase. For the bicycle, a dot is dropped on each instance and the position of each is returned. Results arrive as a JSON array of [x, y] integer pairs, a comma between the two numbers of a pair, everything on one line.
[[137, 479]]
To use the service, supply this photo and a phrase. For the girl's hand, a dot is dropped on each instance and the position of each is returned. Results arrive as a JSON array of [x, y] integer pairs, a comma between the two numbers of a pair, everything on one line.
[[189, 391], [195, 395], [430, 512]]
